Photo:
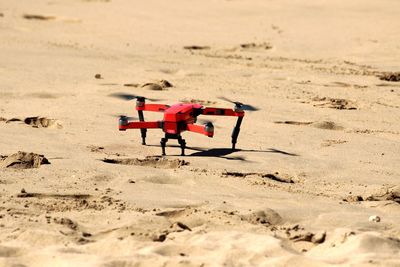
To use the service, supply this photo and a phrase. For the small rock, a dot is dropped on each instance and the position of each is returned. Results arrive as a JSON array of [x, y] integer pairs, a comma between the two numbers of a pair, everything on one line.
[[160, 238], [183, 226], [374, 218], [165, 84], [23, 191], [318, 238], [85, 234], [98, 76], [131, 181]]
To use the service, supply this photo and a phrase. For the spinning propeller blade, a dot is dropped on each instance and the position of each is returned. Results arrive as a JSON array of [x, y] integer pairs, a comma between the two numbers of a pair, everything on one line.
[[128, 97], [242, 106], [124, 116], [203, 121]]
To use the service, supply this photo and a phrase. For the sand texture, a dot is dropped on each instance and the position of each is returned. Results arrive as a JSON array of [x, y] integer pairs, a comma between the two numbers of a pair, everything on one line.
[[316, 177]]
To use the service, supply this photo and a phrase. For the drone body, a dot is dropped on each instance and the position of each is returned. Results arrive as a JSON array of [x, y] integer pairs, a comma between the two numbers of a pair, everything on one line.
[[179, 118]]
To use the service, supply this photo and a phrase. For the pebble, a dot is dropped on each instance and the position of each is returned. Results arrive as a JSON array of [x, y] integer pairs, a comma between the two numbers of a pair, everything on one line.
[[374, 218]]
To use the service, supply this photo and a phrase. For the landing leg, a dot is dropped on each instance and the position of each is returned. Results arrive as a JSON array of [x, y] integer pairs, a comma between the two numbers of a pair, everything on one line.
[[142, 131], [163, 144], [235, 132], [182, 143]]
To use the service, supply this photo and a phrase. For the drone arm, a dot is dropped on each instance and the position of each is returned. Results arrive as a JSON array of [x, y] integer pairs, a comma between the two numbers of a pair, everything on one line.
[[228, 112], [139, 125], [152, 107], [206, 130], [221, 112]]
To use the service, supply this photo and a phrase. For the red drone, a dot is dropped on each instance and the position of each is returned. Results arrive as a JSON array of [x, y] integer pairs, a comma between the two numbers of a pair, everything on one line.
[[179, 118]]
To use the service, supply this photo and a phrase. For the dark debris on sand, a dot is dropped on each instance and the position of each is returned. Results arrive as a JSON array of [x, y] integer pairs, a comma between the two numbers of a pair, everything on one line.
[[38, 17], [150, 161], [390, 77], [196, 47]]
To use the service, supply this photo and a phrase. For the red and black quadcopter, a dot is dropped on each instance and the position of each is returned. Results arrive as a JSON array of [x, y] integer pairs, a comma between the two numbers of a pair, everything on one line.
[[179, 118]]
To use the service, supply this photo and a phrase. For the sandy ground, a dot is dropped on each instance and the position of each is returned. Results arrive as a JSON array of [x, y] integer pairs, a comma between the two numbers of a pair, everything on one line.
[[318, 159]]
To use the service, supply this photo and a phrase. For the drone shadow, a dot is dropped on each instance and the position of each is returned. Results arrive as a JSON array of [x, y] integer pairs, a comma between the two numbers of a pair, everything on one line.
[[225, 153], [218, 152]]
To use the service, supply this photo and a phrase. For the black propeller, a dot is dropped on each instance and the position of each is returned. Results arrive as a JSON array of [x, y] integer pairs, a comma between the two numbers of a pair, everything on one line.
[[128, 97], [203, 121], [240, 104], [126, 117]]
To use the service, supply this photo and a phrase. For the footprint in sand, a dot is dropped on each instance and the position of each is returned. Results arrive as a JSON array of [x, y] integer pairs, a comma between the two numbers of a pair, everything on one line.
[[283, 178], [326, 125], [61, 202], [266, 217], [385, 194], [175, 213], [331, 142], [157, 86], [67, 222], [390, 76], [37, 122], [23, 160], [25, 194], [298, 238], [335, 103], [150, 161], [164, 179]]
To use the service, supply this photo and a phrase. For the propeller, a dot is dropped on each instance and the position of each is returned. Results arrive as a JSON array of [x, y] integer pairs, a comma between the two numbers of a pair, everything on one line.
[[126, 117], [128, 97], [240, 104], [203, 121]]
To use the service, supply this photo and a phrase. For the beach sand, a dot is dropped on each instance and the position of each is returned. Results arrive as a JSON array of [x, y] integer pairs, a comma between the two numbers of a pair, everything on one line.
[[315, 181]]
